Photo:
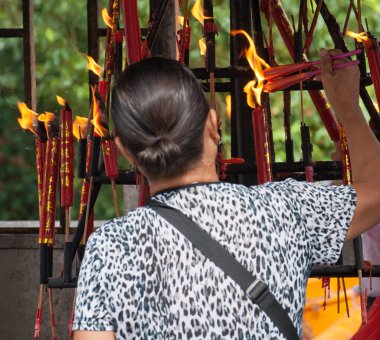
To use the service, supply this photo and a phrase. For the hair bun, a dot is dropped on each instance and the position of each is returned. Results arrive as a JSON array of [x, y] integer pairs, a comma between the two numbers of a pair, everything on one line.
[[160, 156]]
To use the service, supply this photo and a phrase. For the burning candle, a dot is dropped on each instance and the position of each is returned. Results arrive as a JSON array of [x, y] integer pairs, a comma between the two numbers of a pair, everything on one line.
[[29, 121], [85, 194], [67, 154], [110, 158], [103, 84], [79, 132], [47, 232], [254, 89]]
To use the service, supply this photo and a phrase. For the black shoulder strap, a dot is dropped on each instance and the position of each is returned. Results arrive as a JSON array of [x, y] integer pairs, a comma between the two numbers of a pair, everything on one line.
[[257, 290]]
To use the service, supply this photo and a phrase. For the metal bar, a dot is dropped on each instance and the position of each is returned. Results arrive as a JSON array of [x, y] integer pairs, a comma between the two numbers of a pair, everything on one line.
[[11, 32], [80, 229], [102, 32], [258, 37], [29, 55], [321, 176], [161, 35], [341, 271], [219, 87], [279, 167], [308, 85], [92, 37], [241, 125], [225, 72]]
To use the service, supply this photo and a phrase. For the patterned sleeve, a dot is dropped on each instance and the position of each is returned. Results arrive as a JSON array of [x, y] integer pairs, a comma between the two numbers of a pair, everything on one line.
[[90, 310], [326, 213]]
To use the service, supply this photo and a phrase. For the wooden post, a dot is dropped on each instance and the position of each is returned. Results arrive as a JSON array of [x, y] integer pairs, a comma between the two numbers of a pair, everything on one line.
[[29, 55]]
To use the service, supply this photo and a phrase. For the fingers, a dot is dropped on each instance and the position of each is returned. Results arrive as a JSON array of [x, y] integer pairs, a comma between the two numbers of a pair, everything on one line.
[[326, 62]]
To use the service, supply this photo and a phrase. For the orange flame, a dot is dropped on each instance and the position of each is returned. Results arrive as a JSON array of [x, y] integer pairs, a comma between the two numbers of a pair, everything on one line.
[[94, 67], [106, 18], [228, 107], [61, 101], [197, 12], [180, 20], [28, 120], [99, 129], [46, 117], [359, 37], [79, 127], [254, 87], [202, 46]]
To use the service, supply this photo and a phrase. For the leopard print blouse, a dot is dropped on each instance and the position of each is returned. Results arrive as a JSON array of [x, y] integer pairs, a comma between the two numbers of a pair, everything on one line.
[[142, 279]]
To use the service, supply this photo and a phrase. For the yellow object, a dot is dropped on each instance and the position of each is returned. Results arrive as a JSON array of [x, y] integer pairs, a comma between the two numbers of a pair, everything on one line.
[[328, 323]]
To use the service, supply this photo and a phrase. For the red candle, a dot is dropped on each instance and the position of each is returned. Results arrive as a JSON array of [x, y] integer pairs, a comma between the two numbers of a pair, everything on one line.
[[46, 234], [345, 154], [373, 54], [103, 90], [84, 194], [286, 31], [40, 162], [110, 158], [67, 157], [132, 31], [262, 152]]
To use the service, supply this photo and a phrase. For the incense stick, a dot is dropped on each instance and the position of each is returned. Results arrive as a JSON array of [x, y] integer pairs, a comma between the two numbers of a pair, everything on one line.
[[52, 318], [37, 327], [115, 200]]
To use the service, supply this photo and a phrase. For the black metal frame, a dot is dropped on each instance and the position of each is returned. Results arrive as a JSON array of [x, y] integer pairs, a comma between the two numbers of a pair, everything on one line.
[[241, 128], [27, 34]]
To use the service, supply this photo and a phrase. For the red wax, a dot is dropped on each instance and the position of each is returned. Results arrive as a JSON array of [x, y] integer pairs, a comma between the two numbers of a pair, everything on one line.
[[103, 90], [85, 192], [47, 229], [309, 173], [262, 152], [67, 158], [282, 22], [373, 54], [132, 31], [110, 158], [40, 163]]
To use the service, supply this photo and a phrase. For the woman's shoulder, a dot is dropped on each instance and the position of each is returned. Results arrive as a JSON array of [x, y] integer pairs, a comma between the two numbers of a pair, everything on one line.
[[120, 229]]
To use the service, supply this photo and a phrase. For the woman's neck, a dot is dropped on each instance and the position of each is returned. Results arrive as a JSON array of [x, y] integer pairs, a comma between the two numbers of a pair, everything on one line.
[[199, 174]]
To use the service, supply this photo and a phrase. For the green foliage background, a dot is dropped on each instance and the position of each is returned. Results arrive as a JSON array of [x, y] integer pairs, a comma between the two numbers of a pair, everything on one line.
[[61, 43]]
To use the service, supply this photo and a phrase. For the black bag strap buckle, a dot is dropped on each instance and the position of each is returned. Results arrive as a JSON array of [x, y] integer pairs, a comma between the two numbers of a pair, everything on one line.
[[257, 291]]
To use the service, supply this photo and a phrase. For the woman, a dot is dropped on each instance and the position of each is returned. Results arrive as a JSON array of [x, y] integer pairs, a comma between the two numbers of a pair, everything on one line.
[[141, 278]]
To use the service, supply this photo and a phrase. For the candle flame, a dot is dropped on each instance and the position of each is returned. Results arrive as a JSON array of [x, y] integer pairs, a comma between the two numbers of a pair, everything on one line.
[[359, 37], [106, 18], [96, 121], [79, 127], [61, 101], [197, 12], [94, 67], [202, 46], [28, 120], [46, 118], [228, 107], [180, 19], [376, 106], [254, 87]]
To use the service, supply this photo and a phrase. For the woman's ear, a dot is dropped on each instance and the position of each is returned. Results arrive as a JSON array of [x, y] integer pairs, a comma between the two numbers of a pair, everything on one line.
[[124, 151], [212, 125]]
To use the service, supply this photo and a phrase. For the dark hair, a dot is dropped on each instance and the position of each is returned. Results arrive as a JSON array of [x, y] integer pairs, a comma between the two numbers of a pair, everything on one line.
[[159, 110]]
